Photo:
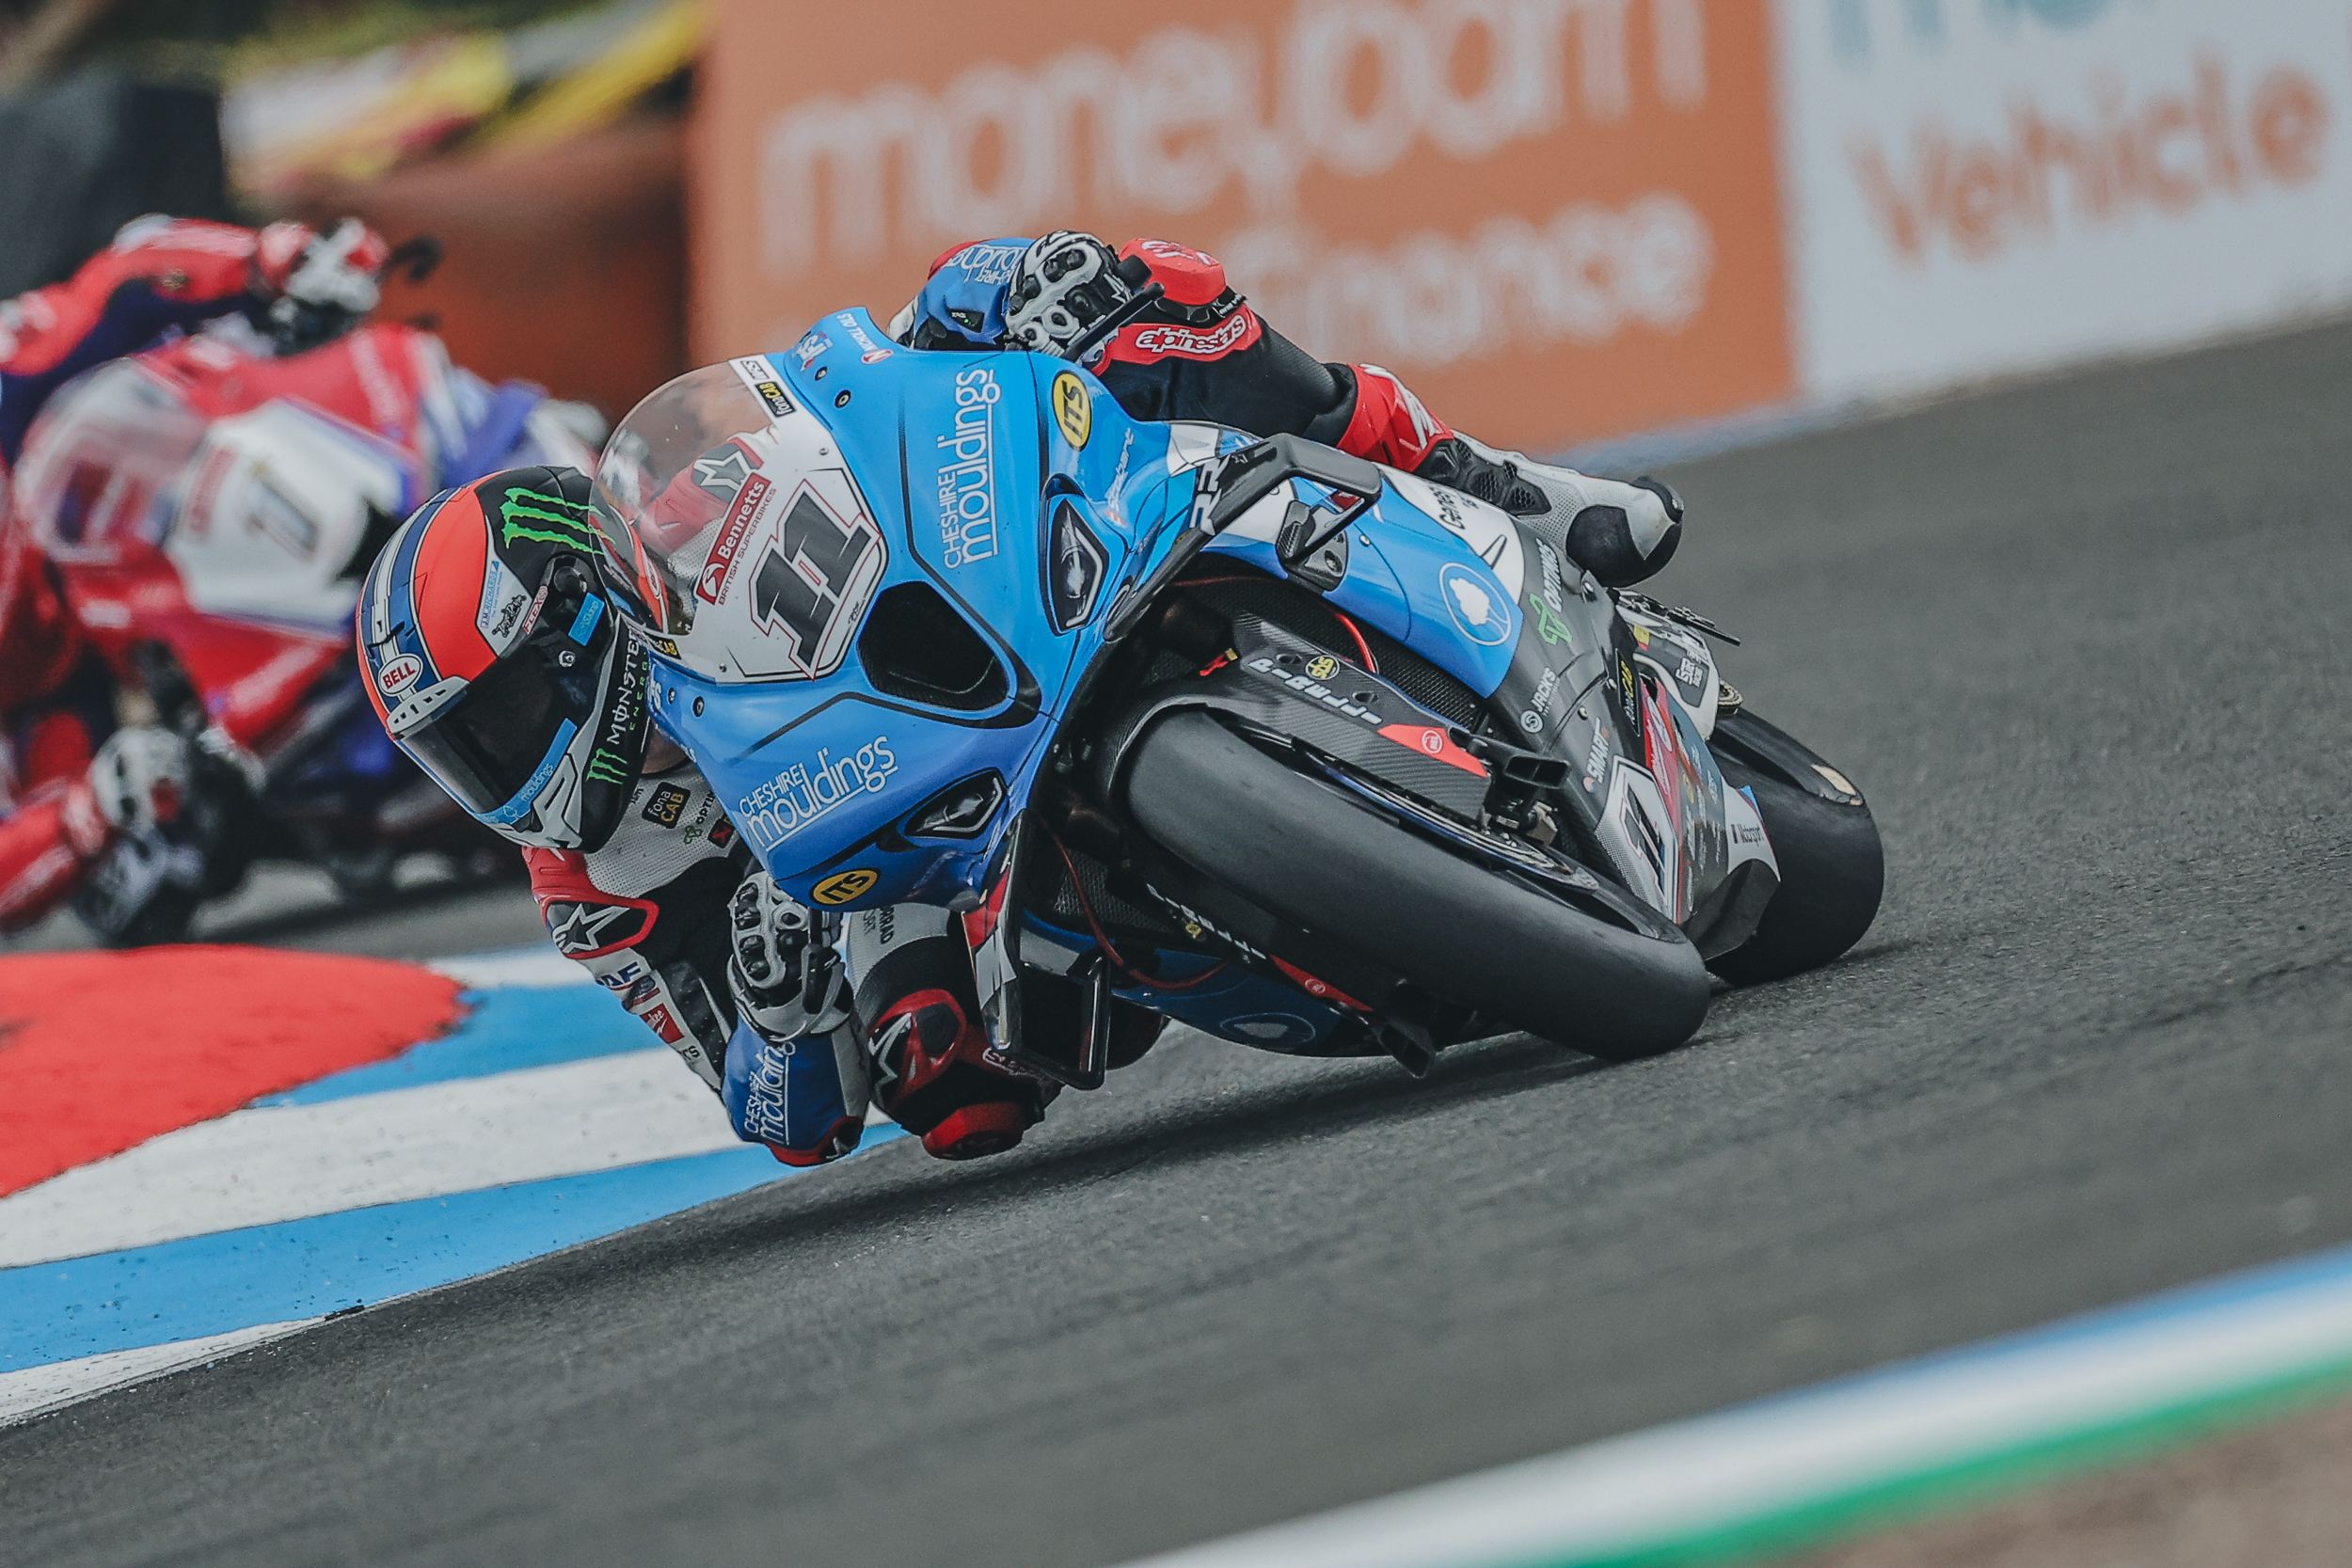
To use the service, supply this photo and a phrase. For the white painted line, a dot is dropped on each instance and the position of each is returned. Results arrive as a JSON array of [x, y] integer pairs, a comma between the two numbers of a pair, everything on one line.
[[268, 1164], [34, 1390], [1650, 1489], [517, 969]]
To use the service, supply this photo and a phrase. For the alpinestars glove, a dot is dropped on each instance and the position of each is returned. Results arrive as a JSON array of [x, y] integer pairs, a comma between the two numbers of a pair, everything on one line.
[[784, 970], [1063, 284]]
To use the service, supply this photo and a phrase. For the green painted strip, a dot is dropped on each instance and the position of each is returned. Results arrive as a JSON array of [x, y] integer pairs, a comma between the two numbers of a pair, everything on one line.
[[1975, 1482]]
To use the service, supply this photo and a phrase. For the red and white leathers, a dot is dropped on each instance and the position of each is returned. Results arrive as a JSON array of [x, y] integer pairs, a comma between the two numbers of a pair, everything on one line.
[[648, 915], [54, 702], [161, 277]]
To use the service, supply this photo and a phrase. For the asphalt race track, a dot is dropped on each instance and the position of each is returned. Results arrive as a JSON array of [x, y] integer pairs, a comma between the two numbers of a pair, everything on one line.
[[2083, 645]]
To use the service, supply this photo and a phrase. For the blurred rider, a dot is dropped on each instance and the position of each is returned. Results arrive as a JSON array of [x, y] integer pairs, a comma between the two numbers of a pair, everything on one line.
[[497, 661], [1200, 351], [71, 782]]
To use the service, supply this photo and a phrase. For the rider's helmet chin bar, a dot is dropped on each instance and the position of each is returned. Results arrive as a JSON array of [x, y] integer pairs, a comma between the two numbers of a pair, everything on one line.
[[1228, 488]]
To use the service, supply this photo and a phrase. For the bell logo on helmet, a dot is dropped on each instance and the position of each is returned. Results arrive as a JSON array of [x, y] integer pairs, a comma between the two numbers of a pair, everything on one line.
[[566, 522], [398, 674]]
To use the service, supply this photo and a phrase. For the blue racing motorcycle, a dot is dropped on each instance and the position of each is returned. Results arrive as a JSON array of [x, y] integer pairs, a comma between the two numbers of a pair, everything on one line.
[[1304, 751]]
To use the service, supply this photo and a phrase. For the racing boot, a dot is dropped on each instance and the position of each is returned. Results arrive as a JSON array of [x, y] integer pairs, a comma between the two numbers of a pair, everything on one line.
[[796, 1080], [933, 1070], [1620, 533]]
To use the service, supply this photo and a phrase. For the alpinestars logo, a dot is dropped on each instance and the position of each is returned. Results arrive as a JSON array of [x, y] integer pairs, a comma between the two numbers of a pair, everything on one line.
[[803, 794], [1185, 339], [551, 519], [967, 486]]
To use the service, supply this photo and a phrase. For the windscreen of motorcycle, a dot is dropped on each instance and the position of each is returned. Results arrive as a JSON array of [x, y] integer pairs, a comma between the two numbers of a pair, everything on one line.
[[733, 532], [100, 464]]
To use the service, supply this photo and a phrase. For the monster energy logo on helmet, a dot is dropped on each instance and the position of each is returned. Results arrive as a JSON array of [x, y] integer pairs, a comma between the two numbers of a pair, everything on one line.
[[565, 521]]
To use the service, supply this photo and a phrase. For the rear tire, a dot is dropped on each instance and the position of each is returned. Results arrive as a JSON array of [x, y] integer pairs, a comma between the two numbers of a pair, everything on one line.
[[1314, 855], [1832, 873]]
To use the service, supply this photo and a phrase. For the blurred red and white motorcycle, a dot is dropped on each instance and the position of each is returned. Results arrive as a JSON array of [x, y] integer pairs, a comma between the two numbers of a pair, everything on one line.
[[212, 510]]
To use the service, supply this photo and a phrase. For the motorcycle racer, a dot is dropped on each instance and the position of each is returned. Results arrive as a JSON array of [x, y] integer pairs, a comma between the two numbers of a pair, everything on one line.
[[496, 661], [624, 835], [1200, 352], [72, 785]]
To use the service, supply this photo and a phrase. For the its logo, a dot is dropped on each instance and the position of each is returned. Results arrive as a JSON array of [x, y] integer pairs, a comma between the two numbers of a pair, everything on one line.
[[1321, 666], [843, 886], [808, 348], [1072, 409], [399, 674], [549, 519], [875, 356], [664, 804]]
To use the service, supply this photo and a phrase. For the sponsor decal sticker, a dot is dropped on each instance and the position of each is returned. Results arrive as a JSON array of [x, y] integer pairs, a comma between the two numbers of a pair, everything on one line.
[[664, 1023], [763, 384], [398, 674], [627, 976], [1306, 686], [1539, 706], [874, 351], [818, 572], [1159, 339], [808, 792], [809, 347], [1484, 616], [1431, 741], [988, 263], [967, 482], [1268, 1029], [710, 585], [722, 471], [1321, 666], [843, 886], [526, 514], [664, 806], [1073, 411]]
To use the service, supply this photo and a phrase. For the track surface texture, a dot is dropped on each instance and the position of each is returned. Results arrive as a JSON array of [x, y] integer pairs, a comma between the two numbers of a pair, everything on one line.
[[2081, 643]]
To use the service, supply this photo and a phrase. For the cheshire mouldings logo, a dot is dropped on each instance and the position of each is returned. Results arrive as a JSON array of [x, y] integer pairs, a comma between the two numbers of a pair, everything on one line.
[[807, 792], [967, 482]]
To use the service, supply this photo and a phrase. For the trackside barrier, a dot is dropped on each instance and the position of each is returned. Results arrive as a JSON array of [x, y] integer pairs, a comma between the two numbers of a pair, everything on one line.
[[1567, 219]]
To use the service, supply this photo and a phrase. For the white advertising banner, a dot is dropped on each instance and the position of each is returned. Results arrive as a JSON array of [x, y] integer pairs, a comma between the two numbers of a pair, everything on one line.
[[1978, 186]]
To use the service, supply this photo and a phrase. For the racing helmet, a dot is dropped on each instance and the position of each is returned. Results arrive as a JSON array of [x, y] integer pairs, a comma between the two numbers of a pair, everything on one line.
[[495, 659]]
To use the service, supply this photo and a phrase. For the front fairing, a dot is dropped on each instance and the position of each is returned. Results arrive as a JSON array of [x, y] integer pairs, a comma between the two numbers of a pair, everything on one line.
[[966, 463]]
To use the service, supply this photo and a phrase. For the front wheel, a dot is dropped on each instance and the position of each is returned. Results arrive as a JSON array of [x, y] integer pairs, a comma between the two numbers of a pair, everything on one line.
[[1832, 873], [1318, 857]]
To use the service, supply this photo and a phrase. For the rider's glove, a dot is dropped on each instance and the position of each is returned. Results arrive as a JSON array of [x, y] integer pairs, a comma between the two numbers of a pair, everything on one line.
[[140, 778], [1063, 284], [1620, 533], [319, 286], [786, 974]]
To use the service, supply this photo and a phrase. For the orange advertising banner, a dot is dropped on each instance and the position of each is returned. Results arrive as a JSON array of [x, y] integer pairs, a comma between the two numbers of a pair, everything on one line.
[[1555, 220]]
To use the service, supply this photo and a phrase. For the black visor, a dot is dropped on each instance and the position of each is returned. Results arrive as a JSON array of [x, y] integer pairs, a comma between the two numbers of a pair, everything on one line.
[[495, 747]]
